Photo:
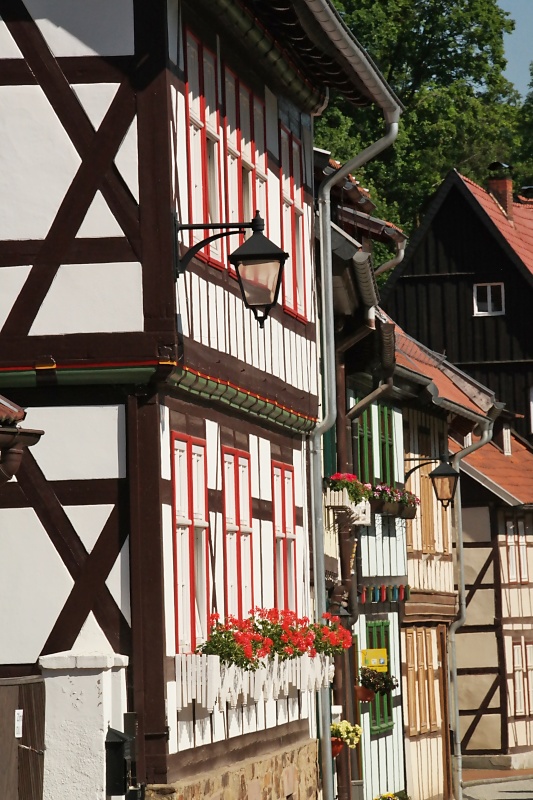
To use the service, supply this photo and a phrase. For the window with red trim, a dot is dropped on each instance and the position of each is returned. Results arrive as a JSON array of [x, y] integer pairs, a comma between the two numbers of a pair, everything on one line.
[[191, 542], [284, 511], [245, 151], [238, 540], [203, 143], [226, 148], [293, 223]]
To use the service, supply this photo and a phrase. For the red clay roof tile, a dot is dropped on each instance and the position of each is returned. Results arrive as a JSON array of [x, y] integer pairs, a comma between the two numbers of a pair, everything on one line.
[[10, 413], [519, 232], [512, 473]]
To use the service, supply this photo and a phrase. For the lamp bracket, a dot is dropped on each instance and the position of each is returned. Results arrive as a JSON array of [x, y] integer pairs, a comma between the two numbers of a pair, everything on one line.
[[183, 263], [414, 469]]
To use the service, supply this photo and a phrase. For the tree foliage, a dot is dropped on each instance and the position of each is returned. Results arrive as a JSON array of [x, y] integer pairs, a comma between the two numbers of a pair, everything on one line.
[[445, 60]]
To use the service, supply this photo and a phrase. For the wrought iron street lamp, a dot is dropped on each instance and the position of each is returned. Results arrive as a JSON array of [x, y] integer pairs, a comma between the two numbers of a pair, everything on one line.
[[444, 479], [258, 263]]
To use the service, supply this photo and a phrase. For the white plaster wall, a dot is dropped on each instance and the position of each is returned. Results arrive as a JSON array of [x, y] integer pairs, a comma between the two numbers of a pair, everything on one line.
[[89, 521], [37, 163], [12, 279], [83, 699], [118, 581], [34, 585], [84, 298], [80, 442], [76, 28]]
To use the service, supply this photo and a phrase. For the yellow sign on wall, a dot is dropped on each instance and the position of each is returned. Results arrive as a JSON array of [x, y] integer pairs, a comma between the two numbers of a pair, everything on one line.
[[375, 659]]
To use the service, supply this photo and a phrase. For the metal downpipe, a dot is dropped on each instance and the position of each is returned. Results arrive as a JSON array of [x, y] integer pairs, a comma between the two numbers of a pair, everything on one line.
[[329, 417]]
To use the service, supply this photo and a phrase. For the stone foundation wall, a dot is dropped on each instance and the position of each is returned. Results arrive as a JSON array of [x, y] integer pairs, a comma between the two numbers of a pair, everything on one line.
[[283, 774]]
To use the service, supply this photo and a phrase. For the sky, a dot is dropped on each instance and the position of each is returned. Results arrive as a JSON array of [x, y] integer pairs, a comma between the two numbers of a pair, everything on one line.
[[519, 44]]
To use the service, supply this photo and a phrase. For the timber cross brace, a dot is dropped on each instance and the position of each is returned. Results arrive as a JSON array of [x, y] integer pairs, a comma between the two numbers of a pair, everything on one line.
[[88, 570]]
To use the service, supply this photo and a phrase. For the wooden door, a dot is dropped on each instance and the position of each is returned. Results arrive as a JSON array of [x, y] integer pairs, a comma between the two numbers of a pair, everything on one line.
[[22, 750]]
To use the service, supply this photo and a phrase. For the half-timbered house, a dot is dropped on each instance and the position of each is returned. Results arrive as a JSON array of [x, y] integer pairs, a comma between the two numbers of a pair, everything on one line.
[[173, 478], [495, 654], [396, 403], [465, 286]]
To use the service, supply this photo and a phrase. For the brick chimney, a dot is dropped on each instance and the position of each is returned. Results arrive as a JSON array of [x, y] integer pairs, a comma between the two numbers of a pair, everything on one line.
[[502, 189]]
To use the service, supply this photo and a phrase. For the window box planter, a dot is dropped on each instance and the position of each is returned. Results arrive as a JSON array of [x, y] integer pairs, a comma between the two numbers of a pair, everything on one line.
[[339, 500], [209, 683]]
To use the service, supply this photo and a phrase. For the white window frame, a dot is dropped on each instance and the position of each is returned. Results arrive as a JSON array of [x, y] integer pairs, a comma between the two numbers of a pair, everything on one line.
[[284, 519], [522, 551], [519, 680], [529, 674], [512, 554], [238, 533], [490, 312], [517, 550], [191, 542]]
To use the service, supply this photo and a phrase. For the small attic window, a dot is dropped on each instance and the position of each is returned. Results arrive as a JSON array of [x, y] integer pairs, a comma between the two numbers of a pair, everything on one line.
[[507, 447], [502, 437], [489, 299]]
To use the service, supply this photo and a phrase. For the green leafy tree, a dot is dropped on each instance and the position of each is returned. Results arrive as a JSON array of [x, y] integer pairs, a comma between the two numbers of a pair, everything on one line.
[[445, 59]]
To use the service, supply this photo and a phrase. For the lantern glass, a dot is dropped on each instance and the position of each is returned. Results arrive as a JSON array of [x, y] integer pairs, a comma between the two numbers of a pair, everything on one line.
[[444, 479], [259, 281]]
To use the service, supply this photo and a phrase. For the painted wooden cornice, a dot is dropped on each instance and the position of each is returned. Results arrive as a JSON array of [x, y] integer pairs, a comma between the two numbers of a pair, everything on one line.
[[202, 385]]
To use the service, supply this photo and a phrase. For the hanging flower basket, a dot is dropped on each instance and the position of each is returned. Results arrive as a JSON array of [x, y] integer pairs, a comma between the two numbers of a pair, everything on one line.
[[379, 682], [408, 512], [363, 694], [388, 508], [345, 733], [336, 746]]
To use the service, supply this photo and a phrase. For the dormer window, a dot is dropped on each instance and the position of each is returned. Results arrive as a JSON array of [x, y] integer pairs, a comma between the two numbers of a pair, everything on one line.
[[489, 299], [507, 447]]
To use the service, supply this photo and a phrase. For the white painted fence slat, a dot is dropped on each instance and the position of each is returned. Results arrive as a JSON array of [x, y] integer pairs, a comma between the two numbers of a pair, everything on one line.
[[204, 680]]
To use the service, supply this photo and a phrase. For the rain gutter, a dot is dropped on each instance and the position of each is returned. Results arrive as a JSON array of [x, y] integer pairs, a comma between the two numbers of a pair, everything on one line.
[[486, 426], [13, 442], [392, 110]]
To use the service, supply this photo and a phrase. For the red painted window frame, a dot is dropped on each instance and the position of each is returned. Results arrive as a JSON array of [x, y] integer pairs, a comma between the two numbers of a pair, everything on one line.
[[284, 468], [237, 454], [205, 254], [289, 239], [190, 441], [253, 99]]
